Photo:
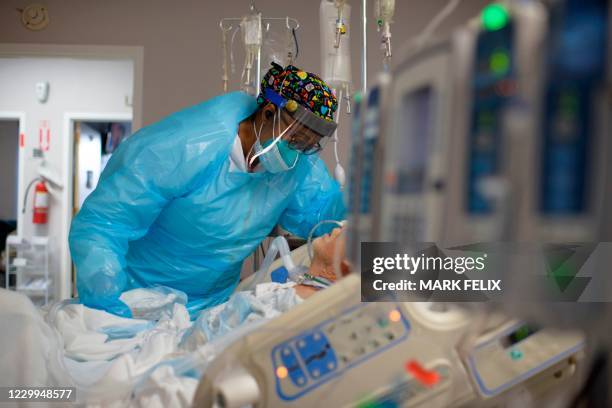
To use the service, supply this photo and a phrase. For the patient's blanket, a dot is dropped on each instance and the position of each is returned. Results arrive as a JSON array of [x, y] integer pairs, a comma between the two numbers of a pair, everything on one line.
[[115, 361], [267, 301]]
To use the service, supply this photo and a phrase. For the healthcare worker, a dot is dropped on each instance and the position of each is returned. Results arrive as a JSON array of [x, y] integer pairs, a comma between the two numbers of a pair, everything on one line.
[[184, 201]]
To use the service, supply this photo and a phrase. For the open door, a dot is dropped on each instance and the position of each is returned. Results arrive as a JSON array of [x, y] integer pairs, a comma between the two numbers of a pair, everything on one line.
[[9, 206], [94, 144]]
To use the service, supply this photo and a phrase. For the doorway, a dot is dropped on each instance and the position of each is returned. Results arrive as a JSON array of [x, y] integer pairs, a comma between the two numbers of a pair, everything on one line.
[[92, 138], [10, 127], [94, 144], [9, 162], [78, 78]]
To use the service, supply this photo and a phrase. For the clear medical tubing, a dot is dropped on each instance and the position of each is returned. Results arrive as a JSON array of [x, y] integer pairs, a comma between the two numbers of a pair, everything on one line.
[[279, 244], [337, 259]]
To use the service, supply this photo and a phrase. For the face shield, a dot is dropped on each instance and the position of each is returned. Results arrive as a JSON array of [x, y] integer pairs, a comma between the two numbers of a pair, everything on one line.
[[309, 133], [297, 128]]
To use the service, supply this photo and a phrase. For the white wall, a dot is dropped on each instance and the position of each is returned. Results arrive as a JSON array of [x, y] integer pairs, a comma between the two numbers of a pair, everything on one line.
[[75, 86], [9, 144]]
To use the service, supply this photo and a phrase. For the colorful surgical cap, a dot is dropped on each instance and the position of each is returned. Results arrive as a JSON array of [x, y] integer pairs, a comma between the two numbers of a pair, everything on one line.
[[306, 88]]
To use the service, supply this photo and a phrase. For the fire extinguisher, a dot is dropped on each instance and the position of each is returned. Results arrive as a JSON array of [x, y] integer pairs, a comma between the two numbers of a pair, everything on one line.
[[41, 201]]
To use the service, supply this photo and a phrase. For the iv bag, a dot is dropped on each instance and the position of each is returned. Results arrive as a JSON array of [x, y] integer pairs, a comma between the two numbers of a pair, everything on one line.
[[274, 49], [384, 10], [336, 69], [251, 31]]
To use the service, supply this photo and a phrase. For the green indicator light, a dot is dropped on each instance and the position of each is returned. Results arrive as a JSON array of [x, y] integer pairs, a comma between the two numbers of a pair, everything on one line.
[[516, 354], [383, 322], [522, 332], [486, 118], [568, 102], [494, 17], [499, 62], [368, 404]]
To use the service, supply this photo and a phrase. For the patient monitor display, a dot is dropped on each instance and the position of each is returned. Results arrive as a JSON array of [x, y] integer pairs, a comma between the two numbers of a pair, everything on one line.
[[409, 155], [576, 69], [416, 117], [365, 185], [492, 82], [414, 145]]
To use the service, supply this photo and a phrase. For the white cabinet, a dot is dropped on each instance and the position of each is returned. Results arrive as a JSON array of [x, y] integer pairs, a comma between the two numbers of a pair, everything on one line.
[[28, 259]]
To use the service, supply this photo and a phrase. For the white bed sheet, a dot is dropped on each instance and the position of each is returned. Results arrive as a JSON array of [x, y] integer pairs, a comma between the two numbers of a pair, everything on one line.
[[114, 361]]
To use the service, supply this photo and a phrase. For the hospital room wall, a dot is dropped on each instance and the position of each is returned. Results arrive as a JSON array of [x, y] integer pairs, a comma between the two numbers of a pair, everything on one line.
[[182, 41], [92, 86]]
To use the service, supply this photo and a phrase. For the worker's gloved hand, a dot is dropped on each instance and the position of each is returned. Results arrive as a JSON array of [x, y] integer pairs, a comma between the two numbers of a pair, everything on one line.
[[111, 305]]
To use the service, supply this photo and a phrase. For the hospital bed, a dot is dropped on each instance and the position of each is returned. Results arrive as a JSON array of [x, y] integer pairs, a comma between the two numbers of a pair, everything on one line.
[[66, 346], [333, 350]]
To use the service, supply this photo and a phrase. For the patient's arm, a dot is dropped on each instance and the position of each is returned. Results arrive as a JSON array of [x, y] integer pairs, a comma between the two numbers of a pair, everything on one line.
[[304, 291]]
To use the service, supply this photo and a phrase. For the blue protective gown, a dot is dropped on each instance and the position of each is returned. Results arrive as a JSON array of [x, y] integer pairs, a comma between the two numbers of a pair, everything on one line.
[[167, 210]]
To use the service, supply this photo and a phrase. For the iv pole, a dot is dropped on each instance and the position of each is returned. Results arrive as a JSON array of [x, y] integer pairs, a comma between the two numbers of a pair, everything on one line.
[[226, 24], [364, 49]]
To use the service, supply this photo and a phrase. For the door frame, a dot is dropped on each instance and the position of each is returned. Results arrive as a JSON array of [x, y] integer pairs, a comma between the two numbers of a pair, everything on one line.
[[101, 52], [67, 194], [21, 118]]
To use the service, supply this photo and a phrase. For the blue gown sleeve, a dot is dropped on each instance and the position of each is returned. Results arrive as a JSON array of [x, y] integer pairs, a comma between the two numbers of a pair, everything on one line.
[[147, 170], [317, 198]]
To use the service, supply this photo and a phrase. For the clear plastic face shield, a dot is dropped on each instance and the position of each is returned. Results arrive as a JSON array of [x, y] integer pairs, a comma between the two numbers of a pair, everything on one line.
[[295, 131]]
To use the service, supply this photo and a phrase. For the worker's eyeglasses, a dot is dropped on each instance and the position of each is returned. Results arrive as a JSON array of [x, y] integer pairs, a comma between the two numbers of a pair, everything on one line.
[[302, 138], [305, 146]]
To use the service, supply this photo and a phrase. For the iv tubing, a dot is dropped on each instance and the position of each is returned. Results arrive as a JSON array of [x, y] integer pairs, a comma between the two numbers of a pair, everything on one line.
[[278, 245]]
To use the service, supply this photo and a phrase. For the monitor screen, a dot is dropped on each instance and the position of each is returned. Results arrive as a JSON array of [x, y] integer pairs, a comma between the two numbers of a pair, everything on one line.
[[416, 129]]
